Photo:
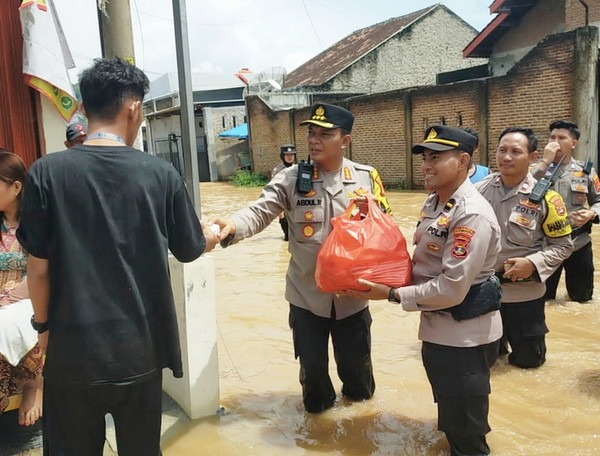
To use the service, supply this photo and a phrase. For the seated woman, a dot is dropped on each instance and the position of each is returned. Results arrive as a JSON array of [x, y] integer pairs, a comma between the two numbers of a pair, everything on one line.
[[20, 357]]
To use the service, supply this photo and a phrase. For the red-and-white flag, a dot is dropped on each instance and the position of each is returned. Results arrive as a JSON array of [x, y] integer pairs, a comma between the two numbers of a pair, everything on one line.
[[46, 55]]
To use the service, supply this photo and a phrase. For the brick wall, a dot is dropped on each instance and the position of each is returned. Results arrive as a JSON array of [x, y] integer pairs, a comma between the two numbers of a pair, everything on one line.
[[453, 104], [536, 91], [268, 131], [378, 137], [575, 13]]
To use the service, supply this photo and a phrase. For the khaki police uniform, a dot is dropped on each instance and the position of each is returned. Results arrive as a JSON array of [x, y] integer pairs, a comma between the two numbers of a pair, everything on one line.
[[579, 190], [539, 232], [277, 169], [456, 247], [309, 225]]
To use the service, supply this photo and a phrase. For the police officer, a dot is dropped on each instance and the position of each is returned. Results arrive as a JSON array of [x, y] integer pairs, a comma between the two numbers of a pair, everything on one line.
[[535, 240], [580, 188], [314, 315], [457, 241], [287, 155]]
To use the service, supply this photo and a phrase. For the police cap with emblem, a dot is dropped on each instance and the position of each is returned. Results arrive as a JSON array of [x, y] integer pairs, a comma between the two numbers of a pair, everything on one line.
[[330, 116], [287, 149], [440, 138]]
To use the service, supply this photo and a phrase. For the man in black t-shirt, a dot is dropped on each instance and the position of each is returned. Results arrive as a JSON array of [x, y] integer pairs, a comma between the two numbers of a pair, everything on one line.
[[98, 221]]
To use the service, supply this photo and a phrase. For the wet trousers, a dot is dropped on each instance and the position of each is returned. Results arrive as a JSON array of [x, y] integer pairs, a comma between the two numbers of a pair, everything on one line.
[[351, 339], [73, 422], [579, 275], [460, 381], [525, 331]]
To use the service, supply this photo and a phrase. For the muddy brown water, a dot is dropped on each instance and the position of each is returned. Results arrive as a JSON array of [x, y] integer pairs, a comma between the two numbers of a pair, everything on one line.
[[554, 410]]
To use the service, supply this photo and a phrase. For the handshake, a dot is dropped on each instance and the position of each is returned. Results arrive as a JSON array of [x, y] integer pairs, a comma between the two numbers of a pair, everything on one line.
[[215, 231]]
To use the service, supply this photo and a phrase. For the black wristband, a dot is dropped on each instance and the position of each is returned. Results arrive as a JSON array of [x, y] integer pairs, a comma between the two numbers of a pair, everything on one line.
[[392, 296], [39, 327]]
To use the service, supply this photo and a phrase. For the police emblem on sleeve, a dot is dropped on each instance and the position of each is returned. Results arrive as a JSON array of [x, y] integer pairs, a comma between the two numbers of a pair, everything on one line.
[[556, 223], [596, 182], [462, 239]]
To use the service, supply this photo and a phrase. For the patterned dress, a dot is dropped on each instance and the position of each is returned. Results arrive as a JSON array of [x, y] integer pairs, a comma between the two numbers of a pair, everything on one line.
[[13, 265]]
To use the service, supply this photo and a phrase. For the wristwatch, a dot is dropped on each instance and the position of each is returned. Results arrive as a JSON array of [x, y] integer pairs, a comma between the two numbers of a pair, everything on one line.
[[39, 327], [392, 296]]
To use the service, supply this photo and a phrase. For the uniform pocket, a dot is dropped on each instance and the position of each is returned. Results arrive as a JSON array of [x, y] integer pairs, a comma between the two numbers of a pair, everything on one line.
[[579, 190], [308, 223], [521, 229]]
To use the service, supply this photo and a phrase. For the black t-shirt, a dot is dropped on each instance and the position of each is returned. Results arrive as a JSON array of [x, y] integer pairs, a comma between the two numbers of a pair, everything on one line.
[[104, 217]]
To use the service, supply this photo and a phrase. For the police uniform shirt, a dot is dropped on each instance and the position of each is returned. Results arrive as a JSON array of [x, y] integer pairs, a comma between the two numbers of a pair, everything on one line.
[[280, 167], [579, 190], [539, 232], [309, 225], [456, 247]]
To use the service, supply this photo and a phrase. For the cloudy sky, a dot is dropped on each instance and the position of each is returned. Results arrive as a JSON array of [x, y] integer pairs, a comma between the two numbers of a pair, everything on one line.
[[226, 35]]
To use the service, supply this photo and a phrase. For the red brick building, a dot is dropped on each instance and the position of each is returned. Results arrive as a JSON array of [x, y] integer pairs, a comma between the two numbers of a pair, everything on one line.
[[553, 77]]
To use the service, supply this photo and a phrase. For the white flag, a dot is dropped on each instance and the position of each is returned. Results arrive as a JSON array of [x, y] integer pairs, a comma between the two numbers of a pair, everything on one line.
[[46, 55]]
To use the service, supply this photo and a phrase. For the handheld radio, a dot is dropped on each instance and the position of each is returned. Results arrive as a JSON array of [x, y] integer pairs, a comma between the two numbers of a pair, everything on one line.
[[542, 186], [304, 183], [587, 168]]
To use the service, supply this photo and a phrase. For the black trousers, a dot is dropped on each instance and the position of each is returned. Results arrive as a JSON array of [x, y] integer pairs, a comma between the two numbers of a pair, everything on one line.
[[460, 380], [73, 422], [351, 338], [525, 331], [579, 276]]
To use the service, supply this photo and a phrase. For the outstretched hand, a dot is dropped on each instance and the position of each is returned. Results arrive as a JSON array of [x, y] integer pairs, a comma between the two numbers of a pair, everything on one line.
[[211, 238], [227, 227], [377, 291]]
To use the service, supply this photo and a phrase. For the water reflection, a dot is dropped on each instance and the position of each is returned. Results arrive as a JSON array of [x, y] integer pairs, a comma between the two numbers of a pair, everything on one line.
[[554, 410]]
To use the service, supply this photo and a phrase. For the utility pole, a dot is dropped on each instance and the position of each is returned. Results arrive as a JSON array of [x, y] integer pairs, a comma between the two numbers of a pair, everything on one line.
[[116, 36], [186, 102]]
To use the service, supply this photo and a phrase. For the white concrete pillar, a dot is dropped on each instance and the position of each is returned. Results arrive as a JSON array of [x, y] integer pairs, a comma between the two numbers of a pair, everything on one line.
[[197, 393]]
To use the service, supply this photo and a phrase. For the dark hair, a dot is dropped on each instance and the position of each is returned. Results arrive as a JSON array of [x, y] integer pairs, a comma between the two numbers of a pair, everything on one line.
[[107, 84], [473, 133], [566, 125], [12, 169], [532, 141]]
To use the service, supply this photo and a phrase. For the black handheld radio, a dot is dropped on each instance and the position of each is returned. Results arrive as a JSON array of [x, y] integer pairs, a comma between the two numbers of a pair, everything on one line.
[[587, 168], [542, 186], [304, 183]]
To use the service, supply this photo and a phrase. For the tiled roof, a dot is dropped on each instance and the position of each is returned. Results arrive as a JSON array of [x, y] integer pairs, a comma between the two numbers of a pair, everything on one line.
[[345, 52]]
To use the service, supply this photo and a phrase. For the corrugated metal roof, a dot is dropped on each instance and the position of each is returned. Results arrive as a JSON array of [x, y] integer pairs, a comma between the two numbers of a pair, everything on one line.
[[347, 51]]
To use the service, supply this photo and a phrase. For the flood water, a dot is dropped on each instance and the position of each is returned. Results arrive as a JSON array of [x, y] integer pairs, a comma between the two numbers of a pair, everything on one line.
[[553, 410]]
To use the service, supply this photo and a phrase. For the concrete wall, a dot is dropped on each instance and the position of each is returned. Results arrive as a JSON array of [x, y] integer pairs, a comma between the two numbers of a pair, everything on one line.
[[556, 79], [223, 154], [433, 45], [55, 127]]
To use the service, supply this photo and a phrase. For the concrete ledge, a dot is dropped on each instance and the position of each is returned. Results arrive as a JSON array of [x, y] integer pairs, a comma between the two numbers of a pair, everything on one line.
[[197, 393]]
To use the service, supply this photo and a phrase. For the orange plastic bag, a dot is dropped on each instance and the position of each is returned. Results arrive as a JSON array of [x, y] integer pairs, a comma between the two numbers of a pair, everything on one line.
[[371, 248]]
